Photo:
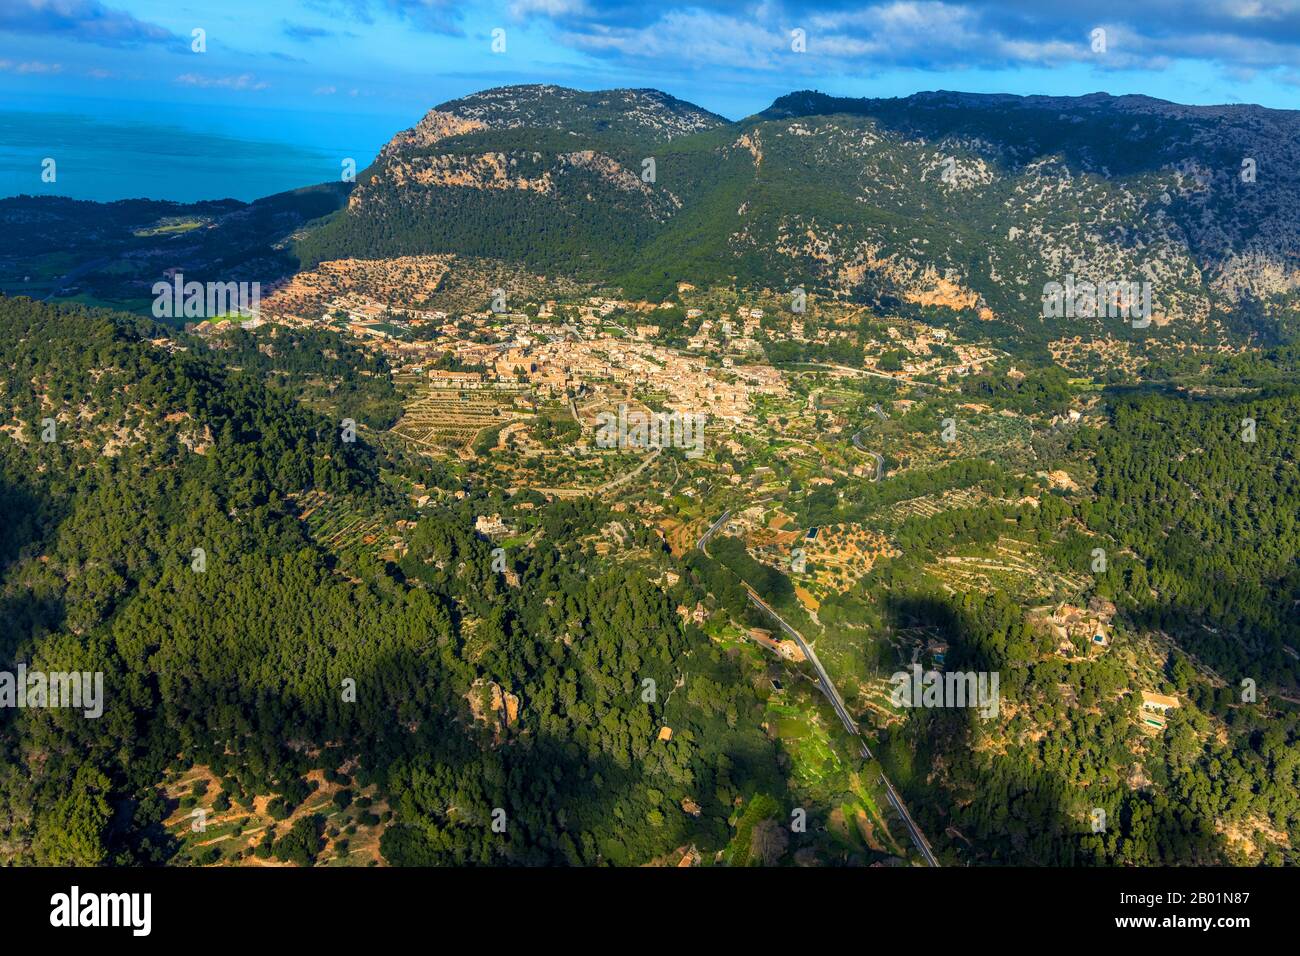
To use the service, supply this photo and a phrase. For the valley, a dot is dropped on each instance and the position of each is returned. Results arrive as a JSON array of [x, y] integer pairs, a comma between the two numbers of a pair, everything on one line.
[[461, 605]]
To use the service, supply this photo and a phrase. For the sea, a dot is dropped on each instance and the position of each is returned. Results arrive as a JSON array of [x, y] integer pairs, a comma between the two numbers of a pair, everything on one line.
[[104, 150]]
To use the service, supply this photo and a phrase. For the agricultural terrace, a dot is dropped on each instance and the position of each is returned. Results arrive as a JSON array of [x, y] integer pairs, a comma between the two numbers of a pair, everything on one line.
[[219, 828], [451, 420]]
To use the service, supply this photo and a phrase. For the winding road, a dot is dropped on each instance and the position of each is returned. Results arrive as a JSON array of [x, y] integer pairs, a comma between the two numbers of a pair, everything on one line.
[[828, 688]]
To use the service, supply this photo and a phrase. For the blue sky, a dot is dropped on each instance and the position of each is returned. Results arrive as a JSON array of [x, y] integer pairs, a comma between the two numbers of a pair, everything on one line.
[[344, 74]]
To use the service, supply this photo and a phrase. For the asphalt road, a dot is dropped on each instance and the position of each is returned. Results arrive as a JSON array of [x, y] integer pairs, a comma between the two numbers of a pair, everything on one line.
[[828, 688], [833, 695]]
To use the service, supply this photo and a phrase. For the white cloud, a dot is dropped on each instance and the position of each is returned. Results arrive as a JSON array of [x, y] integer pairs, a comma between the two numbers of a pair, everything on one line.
[[693, 36], [549, 8], [931, 34], [244, 81], [31, 66]]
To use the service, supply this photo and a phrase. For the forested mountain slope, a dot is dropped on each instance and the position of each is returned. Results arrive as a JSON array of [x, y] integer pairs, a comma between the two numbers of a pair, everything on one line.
[[244, 664], [935, 204], [113, 253]]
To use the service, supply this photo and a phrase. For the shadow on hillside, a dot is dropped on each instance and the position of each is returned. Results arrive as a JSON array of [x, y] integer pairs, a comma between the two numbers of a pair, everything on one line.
[[1015, 811], [24, 614], [1089, 132]]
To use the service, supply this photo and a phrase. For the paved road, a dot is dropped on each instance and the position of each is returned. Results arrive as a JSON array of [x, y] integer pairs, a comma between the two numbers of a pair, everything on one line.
[[918, 838], [828, 688], [896, 379], [857, 443], [823, 679], [833, 695], [621, 479], [880, 459], [702, 544], [66, 279]]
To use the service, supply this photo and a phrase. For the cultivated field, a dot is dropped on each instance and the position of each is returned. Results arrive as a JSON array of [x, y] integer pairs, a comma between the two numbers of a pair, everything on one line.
[[449, 420]]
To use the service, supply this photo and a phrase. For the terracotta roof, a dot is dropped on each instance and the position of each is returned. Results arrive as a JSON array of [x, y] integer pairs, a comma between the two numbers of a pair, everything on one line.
[[1158, 700]]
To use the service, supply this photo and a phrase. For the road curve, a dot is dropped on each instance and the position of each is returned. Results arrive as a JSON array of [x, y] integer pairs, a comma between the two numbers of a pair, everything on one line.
[[833, 695], [828, 688]]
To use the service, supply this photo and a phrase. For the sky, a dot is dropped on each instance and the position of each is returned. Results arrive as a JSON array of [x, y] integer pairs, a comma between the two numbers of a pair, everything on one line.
[[293, 85]]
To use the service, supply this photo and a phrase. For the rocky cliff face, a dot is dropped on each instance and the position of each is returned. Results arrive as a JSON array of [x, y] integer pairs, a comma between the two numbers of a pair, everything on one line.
[[648, 115], [941, 201]]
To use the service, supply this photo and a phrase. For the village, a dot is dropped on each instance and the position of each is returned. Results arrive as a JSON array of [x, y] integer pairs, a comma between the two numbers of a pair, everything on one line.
[[456, 326]]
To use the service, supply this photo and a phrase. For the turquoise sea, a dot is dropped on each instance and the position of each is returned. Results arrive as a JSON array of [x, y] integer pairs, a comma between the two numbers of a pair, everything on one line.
[[104, 152]]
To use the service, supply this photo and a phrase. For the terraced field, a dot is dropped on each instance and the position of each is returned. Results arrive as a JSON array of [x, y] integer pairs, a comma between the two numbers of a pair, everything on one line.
[[843, 554], [818, 773], [930, 505], [994, 436], [443, 419], [1014, 566], [331, 522], [351, 829]]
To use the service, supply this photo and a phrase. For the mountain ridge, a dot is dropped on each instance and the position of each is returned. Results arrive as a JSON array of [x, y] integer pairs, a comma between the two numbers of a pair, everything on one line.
[[970, 203], [1099, 98], [942, 206]]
